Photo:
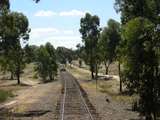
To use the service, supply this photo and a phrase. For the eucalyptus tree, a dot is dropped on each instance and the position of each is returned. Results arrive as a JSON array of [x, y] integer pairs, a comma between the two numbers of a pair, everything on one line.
[[4, 4], [30, 52], [52, 61], [90, 30], [81, 54], [109, 40], [140, 40], [141, 64], [134, 8], [65, 55], [109, 46], [14, 27], [46, 63]]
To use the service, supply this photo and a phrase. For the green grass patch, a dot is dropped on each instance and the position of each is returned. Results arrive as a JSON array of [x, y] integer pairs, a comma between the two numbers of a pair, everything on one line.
[[4, 95]]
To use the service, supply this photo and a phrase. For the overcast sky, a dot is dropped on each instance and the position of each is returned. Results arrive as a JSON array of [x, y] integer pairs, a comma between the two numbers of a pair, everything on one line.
[[58, 21]]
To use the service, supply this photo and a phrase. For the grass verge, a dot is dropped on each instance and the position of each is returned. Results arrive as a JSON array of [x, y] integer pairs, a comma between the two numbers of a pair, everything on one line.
[[109, 87], [79, 73], [4, 95]]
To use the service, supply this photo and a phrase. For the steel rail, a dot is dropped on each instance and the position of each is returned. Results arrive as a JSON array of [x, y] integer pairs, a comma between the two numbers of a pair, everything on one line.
[[84, 102], [81, 96], [63, 103]]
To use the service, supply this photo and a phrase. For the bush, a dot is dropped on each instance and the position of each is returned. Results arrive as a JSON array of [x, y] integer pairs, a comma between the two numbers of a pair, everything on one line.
[[4, 95]]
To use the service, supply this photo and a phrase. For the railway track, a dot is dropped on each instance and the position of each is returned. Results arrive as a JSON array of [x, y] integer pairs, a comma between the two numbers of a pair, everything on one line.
[[74, 103]]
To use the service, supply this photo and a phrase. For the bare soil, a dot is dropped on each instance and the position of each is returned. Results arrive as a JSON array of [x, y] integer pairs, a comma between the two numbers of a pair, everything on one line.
[[108, 108], [35, 103], [106, 105], [32, 100]]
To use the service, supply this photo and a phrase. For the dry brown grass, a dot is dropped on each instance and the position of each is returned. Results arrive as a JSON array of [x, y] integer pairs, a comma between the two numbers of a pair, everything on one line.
[[109, 87], [27, 79], [113, 68], [29, 72], [112, 89], [79, 73]]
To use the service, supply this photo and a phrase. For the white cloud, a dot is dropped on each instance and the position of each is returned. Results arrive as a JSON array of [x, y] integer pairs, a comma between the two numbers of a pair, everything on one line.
[[46, 30], [64, 38], [66, 41], [44, 13], [76, 13], [68, 32], [37, 32], [67, 38], [72, 13]]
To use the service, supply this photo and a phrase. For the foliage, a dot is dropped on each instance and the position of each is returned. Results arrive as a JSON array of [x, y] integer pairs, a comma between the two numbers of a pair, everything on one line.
[[36, 1], [4, 4], [46, 62], [134, 8], [141, 64], [30, 52], [4, 95], [65, 55], [140, 48], [81, 54], [14, 27], [109, 40], [90, 30]]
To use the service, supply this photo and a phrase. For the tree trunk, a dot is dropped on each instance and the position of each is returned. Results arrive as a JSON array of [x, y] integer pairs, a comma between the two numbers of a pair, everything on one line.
[[80, 63], [18, 79], [107, 67], [18, 73], [92, 67], [96, 71], [11, 77], [154, 115], [106, 70], [148, 117], [120, 79], [50, 77], [92, 74]]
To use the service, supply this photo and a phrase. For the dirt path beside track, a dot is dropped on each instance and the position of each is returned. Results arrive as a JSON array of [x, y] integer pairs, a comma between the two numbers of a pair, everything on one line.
[[35, 103]]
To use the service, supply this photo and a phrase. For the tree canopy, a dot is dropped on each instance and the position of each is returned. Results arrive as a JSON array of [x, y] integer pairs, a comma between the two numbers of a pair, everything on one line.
[[109, 40], [46, 63], [4, 4], [14, 28], [90, 30], [139, 45], [134, 8]]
